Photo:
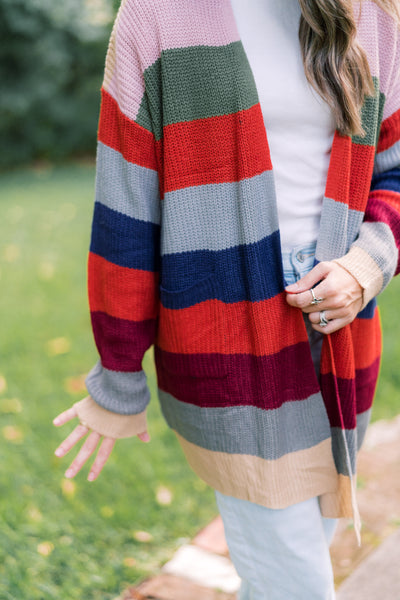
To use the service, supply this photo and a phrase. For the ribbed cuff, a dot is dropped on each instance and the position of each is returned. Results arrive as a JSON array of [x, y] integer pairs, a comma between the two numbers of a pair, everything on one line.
[[365, 270], [108, 423]]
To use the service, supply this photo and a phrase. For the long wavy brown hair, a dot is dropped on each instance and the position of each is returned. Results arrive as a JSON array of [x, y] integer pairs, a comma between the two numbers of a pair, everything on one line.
[[334, 62]]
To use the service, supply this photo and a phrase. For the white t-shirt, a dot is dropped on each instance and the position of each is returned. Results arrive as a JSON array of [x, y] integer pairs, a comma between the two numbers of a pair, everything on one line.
[[299, 124]]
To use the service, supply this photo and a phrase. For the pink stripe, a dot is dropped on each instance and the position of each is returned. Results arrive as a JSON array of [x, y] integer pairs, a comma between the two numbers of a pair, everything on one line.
[[194, 23], [380, 43]]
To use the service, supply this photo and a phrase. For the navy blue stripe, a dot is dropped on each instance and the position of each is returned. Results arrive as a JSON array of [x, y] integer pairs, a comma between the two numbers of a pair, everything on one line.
[[250, 272], [368, 311], [125, 241], [389, 180]]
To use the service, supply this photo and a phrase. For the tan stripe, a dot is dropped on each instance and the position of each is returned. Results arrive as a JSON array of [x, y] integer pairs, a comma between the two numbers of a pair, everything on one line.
[[338, 503], [108, 423], [368, 274], [273, 483]]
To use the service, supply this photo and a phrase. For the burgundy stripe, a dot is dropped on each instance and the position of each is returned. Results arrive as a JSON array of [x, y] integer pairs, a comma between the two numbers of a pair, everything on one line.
[[359, 394], [216, 380], [121, 343]]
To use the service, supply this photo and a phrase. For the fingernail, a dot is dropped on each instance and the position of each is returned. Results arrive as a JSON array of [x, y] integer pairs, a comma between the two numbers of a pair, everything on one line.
[[58, 452], [91, 476], [69, 473], [292, 287], [56, 421]]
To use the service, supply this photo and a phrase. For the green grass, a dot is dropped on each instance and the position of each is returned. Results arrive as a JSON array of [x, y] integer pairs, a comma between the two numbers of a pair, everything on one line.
[[67, 539], [60, 540]]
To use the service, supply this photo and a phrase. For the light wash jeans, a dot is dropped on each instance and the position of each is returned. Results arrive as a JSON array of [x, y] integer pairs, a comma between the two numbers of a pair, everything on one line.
[[282, 554]]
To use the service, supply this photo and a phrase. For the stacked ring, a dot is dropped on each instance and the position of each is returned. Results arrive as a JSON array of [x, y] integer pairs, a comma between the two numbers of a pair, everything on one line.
[[323, 321]]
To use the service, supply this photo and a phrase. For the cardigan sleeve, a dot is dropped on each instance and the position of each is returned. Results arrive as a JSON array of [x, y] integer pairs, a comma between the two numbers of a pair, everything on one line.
[[373, 259], [123, 263]]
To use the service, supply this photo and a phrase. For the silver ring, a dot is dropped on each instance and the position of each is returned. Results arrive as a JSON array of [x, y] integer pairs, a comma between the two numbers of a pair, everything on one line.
[[323, 321], [315, 300]]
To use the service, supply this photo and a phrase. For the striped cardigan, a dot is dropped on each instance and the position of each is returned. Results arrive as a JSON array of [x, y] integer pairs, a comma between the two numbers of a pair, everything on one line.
[[185, 254]]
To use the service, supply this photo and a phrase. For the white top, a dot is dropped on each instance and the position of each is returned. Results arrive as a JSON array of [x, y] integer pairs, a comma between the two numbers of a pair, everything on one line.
[[299, 123]]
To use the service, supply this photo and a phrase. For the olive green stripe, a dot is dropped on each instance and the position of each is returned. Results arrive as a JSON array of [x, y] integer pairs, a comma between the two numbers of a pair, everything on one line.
[[197, 82], [371, 117]]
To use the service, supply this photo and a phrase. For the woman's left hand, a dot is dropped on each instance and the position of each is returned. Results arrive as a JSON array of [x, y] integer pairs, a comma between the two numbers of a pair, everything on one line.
[[341, 293]]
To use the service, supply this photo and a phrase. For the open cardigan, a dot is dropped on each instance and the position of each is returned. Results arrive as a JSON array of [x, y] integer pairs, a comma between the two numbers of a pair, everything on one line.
[[185, 254]]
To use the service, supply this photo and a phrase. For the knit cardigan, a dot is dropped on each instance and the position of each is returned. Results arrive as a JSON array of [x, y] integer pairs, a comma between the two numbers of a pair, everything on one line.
[[185, 255]]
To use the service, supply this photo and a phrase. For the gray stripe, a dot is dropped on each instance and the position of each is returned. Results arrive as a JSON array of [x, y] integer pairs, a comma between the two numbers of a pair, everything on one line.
[[363, 420], [219, 216], [388, 159], [354, 439], [125, 187], [377, 240], [268, 434], [122, 393], [330, 245]]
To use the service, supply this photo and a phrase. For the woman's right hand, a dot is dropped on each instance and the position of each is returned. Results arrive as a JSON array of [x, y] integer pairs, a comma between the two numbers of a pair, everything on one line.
[[88, 447]]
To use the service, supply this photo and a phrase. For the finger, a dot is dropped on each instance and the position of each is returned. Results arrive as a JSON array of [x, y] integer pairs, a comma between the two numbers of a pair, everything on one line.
[[71, 440], [330, 315], [84, 453], [317, 273], [144, 437], [332, 326], [65, 416], [101, 458], [303, 300]]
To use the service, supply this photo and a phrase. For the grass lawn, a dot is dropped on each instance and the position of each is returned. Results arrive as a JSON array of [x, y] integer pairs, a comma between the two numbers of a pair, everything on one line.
[[71, 539], [59, 538]]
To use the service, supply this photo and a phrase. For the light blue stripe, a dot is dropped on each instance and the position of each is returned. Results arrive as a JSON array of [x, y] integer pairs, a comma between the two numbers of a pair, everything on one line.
[[122, 393], [388, 159], [348, 221], [249, 430], [219, 216], [126, 187]]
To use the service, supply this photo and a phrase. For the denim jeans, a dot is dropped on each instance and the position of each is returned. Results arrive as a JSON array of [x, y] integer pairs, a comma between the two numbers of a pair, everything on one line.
[[297, 262], [282, 554]]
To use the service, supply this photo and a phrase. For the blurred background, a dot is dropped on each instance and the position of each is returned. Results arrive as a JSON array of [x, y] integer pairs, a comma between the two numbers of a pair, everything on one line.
[[59, 538]]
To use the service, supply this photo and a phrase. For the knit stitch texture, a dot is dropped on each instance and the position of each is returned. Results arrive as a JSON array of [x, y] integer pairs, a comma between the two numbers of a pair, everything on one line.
[[185, 254]]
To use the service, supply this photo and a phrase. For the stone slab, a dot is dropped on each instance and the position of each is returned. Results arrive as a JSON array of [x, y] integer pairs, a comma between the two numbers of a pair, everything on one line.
[[169, 587], [203, 568], [378, 576]]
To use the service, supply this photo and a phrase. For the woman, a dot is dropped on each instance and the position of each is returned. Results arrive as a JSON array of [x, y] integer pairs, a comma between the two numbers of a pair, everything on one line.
[[197, 234]]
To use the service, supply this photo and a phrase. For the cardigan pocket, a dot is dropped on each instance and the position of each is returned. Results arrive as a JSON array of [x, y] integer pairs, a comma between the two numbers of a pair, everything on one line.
[[192, 330]]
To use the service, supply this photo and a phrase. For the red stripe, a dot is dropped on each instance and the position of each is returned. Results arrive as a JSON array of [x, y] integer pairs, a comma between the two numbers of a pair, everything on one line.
[[350, 172], [338, 179], [215, 326], [135, 143], [215, 150], [390, 132], [122, 292], [367, 340], [362, 166], [359, 343]]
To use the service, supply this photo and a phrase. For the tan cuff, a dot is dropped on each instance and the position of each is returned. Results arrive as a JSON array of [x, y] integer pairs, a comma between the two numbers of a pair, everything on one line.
[[109, 423], [365, 270]]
